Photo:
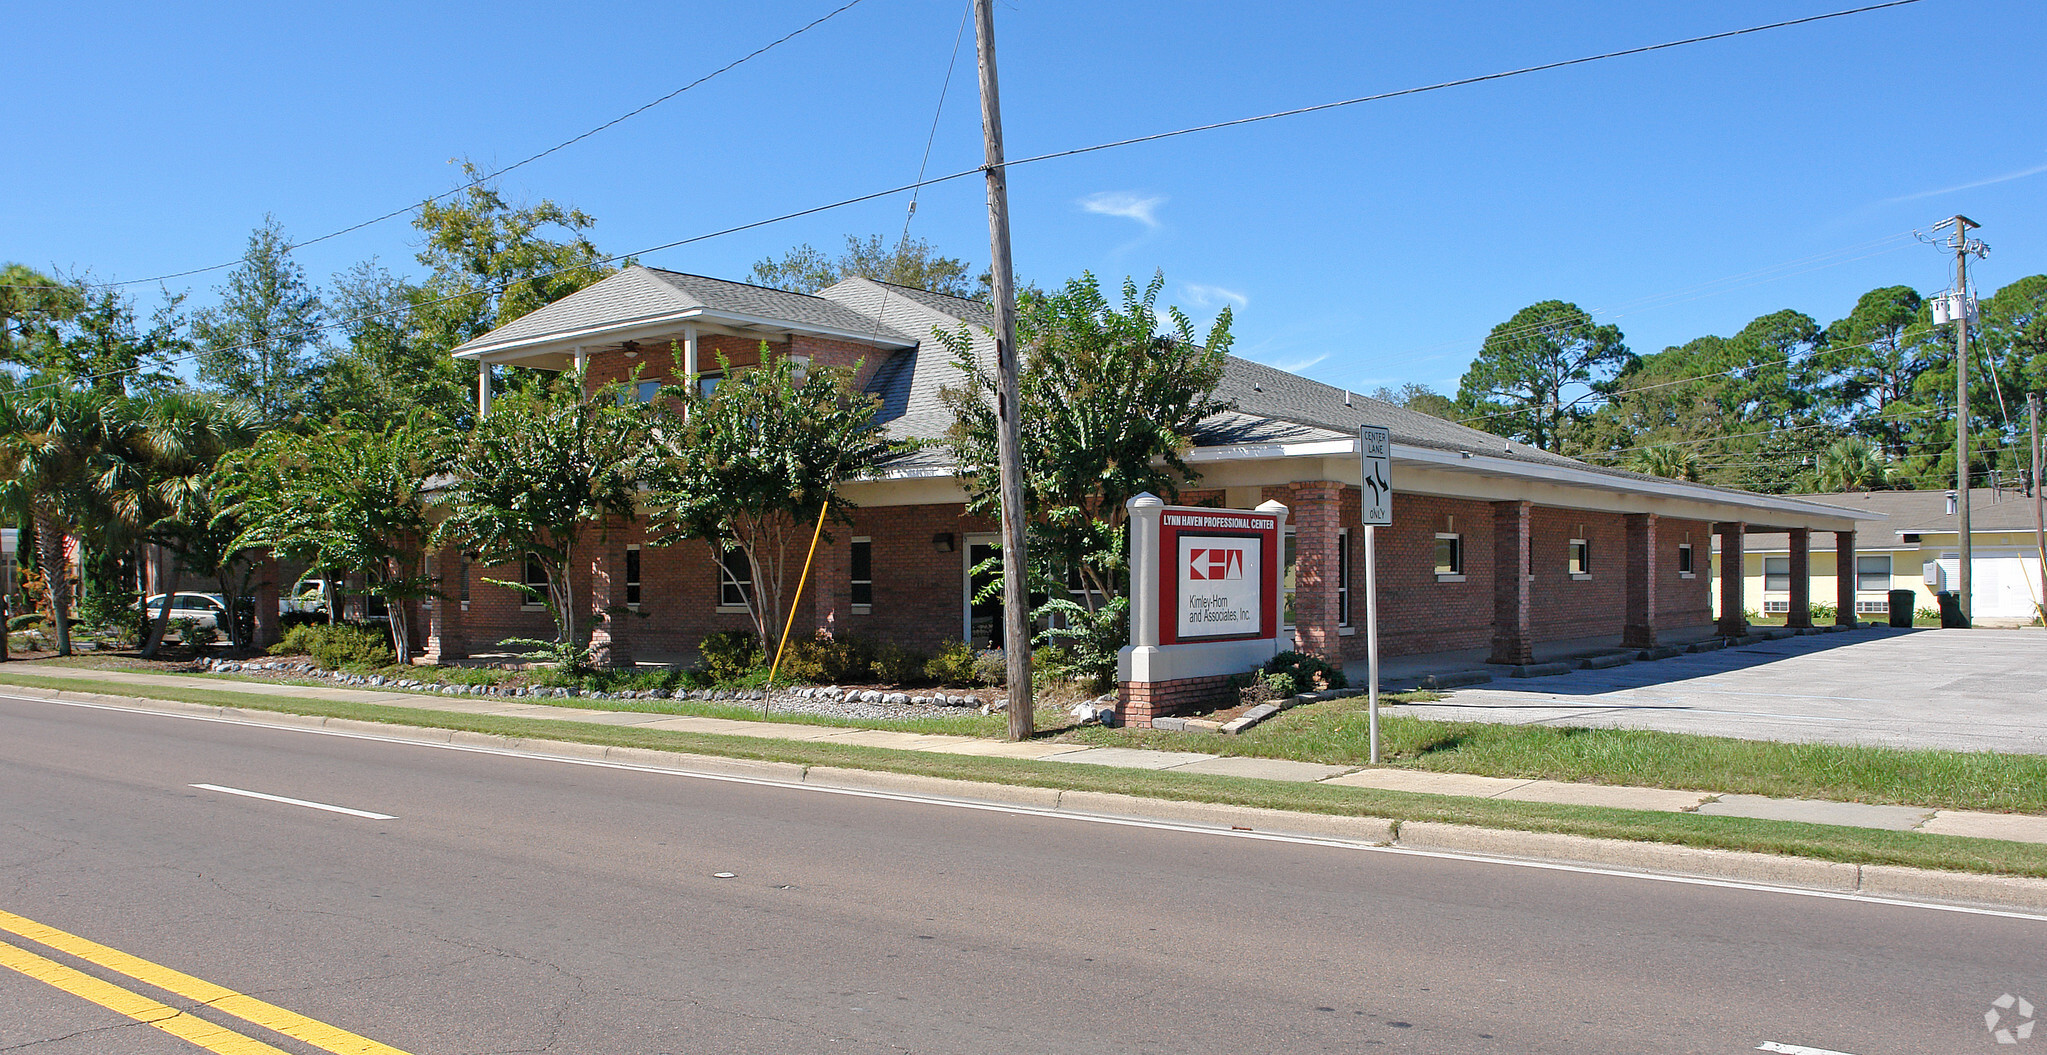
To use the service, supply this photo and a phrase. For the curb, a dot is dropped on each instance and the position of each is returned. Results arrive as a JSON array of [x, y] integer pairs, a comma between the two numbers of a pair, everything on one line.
[[1645, 858]]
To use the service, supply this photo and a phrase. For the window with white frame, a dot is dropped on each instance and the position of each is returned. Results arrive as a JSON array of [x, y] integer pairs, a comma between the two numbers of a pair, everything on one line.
[[1684, 560], [632, 576], [536, 584], [1776, 575], [862, 574], [1873, 573], [735, 579], [1449, 557], [1343, 577], [1581, 559]]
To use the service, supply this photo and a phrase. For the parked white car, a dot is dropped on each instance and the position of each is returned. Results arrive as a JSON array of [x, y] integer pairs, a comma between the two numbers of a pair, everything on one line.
[[208, 610]]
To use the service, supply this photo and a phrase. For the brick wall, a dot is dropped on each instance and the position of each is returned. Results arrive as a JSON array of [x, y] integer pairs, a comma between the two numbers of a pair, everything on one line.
[[1682, 603], [919, 592], [1561, 607], [1137, 702], [1418, 613]]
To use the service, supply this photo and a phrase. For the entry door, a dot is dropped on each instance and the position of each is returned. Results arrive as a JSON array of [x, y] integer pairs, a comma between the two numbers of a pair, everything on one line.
[[984, 617]]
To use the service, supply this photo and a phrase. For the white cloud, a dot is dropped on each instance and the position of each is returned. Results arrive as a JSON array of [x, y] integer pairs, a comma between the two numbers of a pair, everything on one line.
[[1125, 204], [1212, 296], [1304, 364], [2006, 178]]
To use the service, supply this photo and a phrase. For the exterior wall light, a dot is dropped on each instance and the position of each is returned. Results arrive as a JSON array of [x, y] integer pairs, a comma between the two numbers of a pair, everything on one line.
[[942, 542]]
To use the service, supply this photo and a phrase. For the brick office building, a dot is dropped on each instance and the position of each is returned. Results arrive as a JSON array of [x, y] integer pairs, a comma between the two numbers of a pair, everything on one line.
[[1495, 545]]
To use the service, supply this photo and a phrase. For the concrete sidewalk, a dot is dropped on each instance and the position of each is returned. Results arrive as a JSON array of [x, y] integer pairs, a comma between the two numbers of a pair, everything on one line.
[[2011, 827]]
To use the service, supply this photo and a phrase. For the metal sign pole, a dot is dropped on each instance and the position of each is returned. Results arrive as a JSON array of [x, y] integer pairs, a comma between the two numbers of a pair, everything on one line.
[[1375, 508], [1372, 635]]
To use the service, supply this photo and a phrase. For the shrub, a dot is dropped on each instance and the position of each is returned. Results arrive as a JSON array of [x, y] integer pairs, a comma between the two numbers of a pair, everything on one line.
[[27, 621], [1822, 613], [107, 608], [1091, 641], [990, 667], [953, 665], [341, 645], [289, 620], [825, 658], [897, 665], [730, 655], [1306, 671], [190, 633], [1281, 685]]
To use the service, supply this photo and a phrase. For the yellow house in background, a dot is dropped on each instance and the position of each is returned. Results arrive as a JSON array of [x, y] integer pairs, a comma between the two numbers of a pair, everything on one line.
[[1917, 550]]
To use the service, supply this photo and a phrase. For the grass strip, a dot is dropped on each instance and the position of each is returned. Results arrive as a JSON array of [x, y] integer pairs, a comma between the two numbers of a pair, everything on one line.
[[1336, 732], [1817, 841]]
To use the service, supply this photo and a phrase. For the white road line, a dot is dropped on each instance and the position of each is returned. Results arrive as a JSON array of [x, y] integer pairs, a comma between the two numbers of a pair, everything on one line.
[[1796, 1049], [1090, 818], [367, 815]]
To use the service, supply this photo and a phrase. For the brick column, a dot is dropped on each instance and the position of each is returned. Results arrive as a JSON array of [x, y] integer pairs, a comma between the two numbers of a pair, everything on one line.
[[1733, 577], [447, 639], [1643, 569], [266, 601], [1800, 616], [1844, 578], [1512, 640], [611, 624], [1318, 516]]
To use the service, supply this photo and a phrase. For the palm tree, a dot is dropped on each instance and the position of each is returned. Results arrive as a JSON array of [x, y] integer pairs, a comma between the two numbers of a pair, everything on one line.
[[180, 437], [1667, 460], [1851, 464], [58, 458]]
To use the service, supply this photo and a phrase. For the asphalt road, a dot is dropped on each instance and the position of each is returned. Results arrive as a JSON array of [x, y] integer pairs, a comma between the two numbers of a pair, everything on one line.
[[517, 905], [1965, 690]]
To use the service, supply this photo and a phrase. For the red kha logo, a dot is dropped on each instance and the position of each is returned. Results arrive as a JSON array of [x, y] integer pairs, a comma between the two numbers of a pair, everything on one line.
[[1219, 564]]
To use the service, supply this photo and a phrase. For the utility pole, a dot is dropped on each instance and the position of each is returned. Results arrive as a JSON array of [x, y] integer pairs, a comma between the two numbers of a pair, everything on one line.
[[2039, 501], [1958, 311], [1016, 616]]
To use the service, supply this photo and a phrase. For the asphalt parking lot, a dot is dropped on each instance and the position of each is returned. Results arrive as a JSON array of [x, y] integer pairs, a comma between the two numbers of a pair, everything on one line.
[[1973, 690]]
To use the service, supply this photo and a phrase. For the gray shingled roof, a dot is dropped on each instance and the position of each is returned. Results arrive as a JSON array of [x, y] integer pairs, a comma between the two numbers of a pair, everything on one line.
[[1272, 405], [640, 294], [1925, 512], [909, 382]]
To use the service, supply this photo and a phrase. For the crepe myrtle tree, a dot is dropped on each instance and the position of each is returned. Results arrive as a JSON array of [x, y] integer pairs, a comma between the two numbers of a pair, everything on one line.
[[534, 474], [1110, 397], [749, 464], [346, 498]]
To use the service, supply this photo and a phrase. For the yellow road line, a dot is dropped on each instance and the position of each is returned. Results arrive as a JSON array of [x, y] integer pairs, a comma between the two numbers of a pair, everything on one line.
[[247, 1008], [142, 1009]]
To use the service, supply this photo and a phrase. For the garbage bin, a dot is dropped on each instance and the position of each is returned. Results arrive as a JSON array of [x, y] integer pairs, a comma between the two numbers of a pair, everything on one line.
[[1951, 617], [1901, 606]]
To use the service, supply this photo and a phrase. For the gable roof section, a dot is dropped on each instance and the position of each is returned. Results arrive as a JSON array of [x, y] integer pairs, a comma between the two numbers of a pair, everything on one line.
[[638, 297], [909, 382]]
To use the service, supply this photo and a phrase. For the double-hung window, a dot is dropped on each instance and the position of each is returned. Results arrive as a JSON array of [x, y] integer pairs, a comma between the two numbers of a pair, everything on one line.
[[863, 574]]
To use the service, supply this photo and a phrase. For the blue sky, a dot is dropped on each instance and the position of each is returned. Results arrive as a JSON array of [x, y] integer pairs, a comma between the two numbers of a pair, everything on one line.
[[1675, 194]]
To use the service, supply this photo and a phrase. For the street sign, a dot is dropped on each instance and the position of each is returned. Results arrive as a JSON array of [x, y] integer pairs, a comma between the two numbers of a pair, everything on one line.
[[1376, 447], [1375, 510]]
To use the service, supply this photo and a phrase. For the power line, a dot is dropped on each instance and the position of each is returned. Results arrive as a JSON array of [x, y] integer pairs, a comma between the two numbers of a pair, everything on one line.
[[481, 180], [962, 173], [1134, 140]]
